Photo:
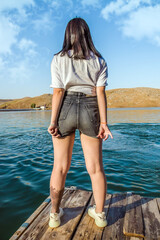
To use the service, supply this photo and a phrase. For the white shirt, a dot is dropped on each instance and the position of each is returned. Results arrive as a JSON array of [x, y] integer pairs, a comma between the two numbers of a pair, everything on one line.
[[80, 75]]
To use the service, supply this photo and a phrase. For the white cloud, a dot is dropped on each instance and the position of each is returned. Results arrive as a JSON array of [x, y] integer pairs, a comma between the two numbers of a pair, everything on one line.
[[120, 7], [10, 22], [136, 18], [28, 47], [20, 15], [55, 4], [10, 4], [21, 70], [8, 34], [19, 73], [2, 63], [25, 44], [59, 7], [111, 8], [145, 22], [44, 22]]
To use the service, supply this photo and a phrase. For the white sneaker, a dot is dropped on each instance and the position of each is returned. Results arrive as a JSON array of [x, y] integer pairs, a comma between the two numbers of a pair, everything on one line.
[[55, 220], [100, 218]]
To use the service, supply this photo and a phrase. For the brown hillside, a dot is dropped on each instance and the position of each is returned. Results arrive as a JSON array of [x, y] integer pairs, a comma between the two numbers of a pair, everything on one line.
[[116, 98], [133, 97], [4, 100], [27, 101]]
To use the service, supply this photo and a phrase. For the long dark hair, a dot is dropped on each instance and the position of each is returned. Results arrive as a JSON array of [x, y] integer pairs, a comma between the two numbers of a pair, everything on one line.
[[78, 38]]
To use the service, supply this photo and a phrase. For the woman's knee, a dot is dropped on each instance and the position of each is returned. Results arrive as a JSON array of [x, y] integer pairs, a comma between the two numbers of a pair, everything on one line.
[[94, 169], [61, 169]]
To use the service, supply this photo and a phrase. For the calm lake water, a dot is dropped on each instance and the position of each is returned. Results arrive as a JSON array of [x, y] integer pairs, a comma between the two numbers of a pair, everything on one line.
[[131, 160]]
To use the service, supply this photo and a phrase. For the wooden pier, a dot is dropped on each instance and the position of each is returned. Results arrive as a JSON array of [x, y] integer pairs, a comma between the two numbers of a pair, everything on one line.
[[129, 216]]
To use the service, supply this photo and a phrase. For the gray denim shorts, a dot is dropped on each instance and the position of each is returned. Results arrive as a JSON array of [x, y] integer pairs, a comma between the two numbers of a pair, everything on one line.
[[79, 111]]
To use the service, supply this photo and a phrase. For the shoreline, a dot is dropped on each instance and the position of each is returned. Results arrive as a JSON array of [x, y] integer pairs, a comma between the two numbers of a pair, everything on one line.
[[112, 109], [24, 109]]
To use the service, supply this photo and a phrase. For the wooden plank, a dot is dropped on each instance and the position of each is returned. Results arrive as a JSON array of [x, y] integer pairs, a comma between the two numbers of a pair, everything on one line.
[[28, 222], [115, 218], [73, 205], [124, 214], [133, 222], [151, 218], [134, 238], [40, 223], [73, 212], [87, 228]]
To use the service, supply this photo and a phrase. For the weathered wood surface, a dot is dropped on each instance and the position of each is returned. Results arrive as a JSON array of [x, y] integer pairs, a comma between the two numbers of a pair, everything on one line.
[[151, 216], [29, 221], [129, 217], [115, 218], [133, 221], [87, 229]]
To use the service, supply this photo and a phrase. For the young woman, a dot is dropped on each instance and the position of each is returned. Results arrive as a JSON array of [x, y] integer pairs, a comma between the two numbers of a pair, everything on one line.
[[79, 76]]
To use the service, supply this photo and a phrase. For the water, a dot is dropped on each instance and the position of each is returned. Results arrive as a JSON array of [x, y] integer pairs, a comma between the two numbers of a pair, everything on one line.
[[131, 160]]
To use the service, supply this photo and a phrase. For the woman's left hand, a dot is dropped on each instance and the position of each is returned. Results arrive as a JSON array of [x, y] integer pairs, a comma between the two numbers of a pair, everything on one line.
[[104, 132], [53, 130]]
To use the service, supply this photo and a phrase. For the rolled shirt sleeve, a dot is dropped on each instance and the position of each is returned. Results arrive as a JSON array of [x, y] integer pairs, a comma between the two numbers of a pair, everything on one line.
[[56, 81], [103, 75]]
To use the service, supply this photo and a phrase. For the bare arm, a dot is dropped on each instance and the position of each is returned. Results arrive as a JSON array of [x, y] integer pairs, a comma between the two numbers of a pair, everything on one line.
[[58, 94], [102, 103]]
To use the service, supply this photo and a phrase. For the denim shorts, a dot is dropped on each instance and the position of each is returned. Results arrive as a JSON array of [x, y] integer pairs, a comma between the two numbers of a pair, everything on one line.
[[78, 111]]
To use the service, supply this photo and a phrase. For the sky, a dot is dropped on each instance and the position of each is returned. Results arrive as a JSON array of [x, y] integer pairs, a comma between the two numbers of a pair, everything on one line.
[[125, 32]]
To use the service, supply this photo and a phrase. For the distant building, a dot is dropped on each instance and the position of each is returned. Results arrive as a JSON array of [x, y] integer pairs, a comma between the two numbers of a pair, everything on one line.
[[43, 107]]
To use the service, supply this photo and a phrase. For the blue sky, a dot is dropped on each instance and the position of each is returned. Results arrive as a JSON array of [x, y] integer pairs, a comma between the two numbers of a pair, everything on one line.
[[127, 33]]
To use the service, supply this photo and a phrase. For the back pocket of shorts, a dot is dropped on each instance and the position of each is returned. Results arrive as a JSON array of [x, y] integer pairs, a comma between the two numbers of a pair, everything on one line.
[[66, 105], [93, 112]]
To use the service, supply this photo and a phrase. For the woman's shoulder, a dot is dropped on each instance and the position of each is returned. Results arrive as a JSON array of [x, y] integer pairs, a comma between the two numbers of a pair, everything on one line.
[[100, 58], [55, 58], [56, 55], [102, 61]]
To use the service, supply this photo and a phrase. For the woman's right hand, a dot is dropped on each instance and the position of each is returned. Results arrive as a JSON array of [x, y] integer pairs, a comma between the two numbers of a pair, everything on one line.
[[104, 132], [53, 130]]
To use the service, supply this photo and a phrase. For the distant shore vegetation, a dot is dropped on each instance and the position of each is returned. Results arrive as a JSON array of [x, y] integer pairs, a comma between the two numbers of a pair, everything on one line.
[[116, 98]]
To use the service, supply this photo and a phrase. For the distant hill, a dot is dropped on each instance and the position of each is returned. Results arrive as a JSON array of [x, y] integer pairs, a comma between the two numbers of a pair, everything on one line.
[[4, 100], [133, 97], [27, 101], [116, 98]]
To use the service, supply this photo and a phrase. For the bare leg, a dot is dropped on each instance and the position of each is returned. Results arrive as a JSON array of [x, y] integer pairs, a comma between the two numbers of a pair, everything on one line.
[[62, 160], [56, 197], [92, 149]]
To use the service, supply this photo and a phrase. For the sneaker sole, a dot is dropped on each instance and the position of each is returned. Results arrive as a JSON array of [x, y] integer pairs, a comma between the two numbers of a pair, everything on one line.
[[96, 221], [56, 224]]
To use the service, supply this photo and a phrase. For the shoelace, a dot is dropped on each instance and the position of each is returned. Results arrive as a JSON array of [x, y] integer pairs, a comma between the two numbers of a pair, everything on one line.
[[100, 215], [55, 216]]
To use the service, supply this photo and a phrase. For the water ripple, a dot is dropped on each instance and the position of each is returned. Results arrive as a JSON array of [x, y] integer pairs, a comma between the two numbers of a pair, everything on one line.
[[130, 160]]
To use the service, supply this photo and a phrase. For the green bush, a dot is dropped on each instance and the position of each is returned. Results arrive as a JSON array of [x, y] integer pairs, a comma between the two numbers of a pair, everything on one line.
[[33, 105]]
